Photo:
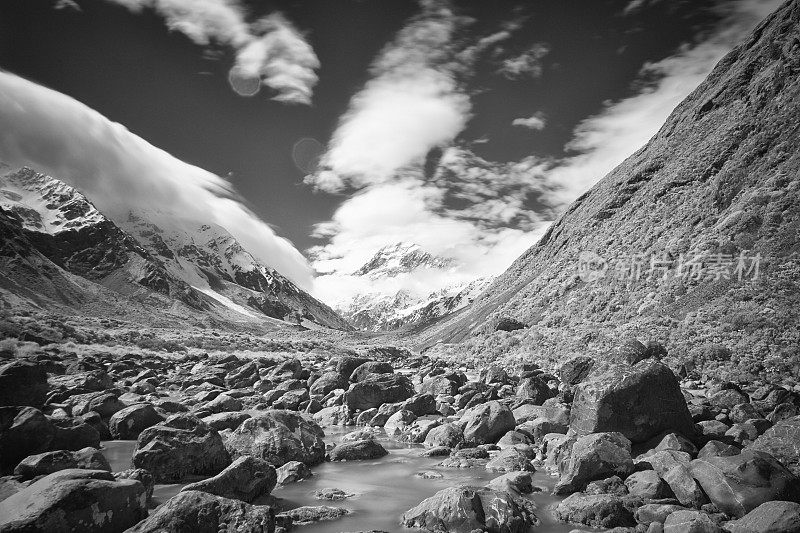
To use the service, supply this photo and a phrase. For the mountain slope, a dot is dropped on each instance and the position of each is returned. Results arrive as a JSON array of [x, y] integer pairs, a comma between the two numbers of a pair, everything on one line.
[[720, 181], [200, 266]]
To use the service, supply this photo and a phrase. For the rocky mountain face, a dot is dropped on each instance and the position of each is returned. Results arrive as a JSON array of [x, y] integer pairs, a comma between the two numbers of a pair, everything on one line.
[[693, 240], [199, 265], [377, 311]]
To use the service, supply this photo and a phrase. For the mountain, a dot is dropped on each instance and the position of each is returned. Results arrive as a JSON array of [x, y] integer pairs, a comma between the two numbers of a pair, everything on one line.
[[198, 265], [398, 309], [692, 241]]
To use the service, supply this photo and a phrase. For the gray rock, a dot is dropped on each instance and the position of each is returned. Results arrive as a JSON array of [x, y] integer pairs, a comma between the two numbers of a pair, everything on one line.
[[23, 383], [598, 510], [182, 445], [782, 441], [690, 522], [376, 389], [357, 450], [201, 512], [486, 423], [278, 437], [75, 500], [593, 457], [24, 431], [245, 479], [769, 517], [293, 471], [127, 423], [49, 462]]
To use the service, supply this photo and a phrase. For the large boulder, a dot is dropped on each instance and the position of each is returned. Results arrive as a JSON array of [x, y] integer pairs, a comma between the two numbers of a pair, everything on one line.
[[181, 445], [639, 401], [75, 500], [596, 510], [23, 383], [737, 484], [357, 450], [371, 367], [769, 517], [48, 462], [593, 457], [486, 423], [782, 441], [278, 436], [127, 423], [346, 364], [575, 370], [449, 435], [377, 389], [245, 479], [690, 522], [329, 382], [194, 511], [24, 431], [468, 509]]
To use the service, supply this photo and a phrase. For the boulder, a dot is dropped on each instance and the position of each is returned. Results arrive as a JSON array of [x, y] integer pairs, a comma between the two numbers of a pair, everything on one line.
[[194, 511], [445, 385], [655, 512], [486, 423], [309, 514], [769, 517], [533, 390], [690, 522], [470, 508], [346, 364], [329, 382], [597, 510], [181, 445], [23, 383], [370, 367], [782, 441], [513, 482], [74, 434], [127, 423], [292, 471], [593, 457], [245, 479], [647, 485], [357, 450], [639, 401], [447, 435], [377, 389], [24, 431], [220, 421], [49, 462], [737, 484], [511, 460], [142, 476], [75, 500], [278, 436]]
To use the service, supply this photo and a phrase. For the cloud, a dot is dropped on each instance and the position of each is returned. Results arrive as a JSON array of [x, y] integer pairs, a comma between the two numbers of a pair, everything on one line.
[[603, 141], [120, 171], [67, 4], [528, 63], [269, 52], [411, 104], [535, 122], [408, 210]]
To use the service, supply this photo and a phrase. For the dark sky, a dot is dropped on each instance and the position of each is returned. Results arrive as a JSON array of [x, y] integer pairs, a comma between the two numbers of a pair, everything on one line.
[[175, 94]]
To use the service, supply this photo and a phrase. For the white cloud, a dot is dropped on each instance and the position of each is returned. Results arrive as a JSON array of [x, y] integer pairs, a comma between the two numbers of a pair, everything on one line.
[[535, 122], [605, 140], [120, 171], [269, 52], [528, 63], [67, 4], [412, 104]]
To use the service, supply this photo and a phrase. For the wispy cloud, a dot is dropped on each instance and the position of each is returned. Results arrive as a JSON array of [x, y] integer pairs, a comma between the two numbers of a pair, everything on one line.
[[526, 64], [411, 104], [120, 171], [269, 51], [603, 141], [537, 121]]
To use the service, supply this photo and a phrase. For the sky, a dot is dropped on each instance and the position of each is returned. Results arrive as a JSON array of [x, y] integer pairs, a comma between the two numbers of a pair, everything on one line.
[[319, 131]]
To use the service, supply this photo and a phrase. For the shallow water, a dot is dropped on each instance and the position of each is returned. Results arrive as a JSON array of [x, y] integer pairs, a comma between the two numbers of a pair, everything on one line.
[[383, 488]]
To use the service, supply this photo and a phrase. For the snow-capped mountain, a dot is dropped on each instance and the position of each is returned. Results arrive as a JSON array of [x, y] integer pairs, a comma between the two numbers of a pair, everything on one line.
[[400, 258], [201, 265], [381, 311]]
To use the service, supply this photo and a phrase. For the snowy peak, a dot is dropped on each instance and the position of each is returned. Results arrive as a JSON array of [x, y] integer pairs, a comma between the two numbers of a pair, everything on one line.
[[44, 204], [400, 258]]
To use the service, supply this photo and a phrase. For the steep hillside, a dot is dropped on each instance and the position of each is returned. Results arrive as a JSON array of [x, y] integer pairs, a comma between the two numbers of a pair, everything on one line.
[[670, 240]]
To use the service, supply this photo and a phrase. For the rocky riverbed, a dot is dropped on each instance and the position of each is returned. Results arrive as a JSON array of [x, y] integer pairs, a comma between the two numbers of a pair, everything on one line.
[[382, 439]]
